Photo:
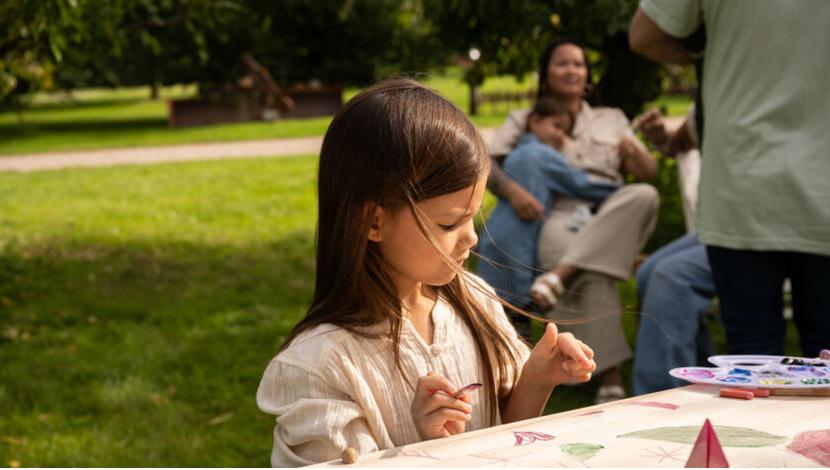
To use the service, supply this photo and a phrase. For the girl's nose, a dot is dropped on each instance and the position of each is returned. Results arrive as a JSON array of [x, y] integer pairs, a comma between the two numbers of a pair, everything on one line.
[[470, 237]]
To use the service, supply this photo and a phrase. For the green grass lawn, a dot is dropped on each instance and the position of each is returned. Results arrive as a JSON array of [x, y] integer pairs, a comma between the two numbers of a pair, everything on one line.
[[126, 117], [138, 312], [140, 305]]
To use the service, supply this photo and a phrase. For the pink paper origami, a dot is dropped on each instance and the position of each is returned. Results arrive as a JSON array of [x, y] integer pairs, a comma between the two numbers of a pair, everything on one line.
[[707, 452]]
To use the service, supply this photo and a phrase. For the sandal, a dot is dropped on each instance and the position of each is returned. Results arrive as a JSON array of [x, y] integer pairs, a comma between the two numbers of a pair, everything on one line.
[[609, 393], [549, 287]]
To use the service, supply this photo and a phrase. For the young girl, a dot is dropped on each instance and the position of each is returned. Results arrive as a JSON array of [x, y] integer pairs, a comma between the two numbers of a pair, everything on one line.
[[396, 326]]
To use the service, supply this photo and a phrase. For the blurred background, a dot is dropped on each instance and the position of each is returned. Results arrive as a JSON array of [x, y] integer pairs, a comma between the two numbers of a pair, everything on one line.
[[140, 304]]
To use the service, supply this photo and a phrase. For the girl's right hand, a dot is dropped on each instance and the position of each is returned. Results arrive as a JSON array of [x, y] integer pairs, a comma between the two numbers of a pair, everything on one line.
[[438, 414]]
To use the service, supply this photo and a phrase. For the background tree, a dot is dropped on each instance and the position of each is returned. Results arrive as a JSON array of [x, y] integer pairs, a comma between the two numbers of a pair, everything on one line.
[[338, 42], [511, 34], [624, 79], [508, 35], [145, 42], [164, 42], [33, 37]]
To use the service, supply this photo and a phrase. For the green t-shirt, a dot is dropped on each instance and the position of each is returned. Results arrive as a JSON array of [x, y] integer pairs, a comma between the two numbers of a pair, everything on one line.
[[765, 180]]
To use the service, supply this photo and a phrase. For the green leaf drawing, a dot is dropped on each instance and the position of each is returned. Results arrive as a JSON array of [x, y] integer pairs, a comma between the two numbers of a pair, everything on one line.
[[581, 451], [729, 436]]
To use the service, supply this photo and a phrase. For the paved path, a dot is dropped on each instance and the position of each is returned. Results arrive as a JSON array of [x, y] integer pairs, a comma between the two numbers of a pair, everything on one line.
[[169, 153], [161, 154], [183, 152]]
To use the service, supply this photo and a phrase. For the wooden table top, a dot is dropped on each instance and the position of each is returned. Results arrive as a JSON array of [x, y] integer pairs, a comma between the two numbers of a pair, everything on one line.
[[656, 430]]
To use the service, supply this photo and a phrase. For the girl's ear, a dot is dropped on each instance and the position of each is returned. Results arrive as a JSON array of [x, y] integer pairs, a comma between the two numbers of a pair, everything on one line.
[[374, 214]]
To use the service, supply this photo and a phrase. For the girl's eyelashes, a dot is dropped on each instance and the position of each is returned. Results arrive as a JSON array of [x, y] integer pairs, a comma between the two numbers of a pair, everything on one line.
[[447, 228]]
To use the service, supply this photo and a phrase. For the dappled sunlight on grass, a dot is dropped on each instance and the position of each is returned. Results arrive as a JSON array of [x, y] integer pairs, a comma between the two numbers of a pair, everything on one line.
[[144, 345]]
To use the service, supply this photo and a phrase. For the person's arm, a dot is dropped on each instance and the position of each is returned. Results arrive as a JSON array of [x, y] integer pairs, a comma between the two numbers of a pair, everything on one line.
[[637, 161], [646, 38], [680, 140], [562, 178], [311, 411], [669, 142], [500, 183], [526, 206]]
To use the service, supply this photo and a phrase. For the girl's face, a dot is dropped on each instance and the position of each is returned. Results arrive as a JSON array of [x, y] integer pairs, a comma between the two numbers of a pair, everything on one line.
[[411, 257], [567, 71]]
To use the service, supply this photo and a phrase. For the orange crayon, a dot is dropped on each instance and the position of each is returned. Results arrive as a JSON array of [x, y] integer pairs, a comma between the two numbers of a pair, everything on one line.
[[736, 393]]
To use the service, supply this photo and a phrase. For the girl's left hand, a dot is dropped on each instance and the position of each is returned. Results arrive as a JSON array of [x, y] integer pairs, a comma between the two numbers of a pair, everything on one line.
[[559, 358]]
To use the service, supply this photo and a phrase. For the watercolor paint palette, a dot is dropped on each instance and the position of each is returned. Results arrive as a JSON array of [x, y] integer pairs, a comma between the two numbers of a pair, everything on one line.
[[760, 371]]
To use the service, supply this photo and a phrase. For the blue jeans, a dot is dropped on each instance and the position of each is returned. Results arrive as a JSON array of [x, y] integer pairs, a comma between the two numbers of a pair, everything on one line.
[[675, 286], [750, 285]]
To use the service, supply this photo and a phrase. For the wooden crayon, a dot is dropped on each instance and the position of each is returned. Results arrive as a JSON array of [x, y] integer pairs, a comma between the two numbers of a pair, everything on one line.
[[800, 392]]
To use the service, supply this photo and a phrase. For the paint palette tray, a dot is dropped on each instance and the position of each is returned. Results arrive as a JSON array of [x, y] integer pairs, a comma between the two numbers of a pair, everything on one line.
[[760, 371]]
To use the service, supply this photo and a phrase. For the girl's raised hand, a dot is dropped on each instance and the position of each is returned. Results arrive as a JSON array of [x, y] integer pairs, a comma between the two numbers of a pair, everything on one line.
[[439, 414], [559, 358]]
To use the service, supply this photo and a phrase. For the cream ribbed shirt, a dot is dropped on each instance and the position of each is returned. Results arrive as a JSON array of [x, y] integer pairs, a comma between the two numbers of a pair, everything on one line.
[[332, 389]]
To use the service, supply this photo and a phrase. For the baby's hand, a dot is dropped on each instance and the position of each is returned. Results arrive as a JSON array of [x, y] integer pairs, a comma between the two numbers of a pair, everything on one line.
[[559, 358], [438, 414]]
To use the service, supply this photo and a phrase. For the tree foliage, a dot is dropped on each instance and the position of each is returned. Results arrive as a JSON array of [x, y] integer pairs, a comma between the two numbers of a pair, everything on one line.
[[32, 38], [70, 43], [508, 34], [336, 41], [511, 34]]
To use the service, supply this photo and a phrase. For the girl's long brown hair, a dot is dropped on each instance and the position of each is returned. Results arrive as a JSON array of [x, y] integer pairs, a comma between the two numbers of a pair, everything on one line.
[[393, 145]]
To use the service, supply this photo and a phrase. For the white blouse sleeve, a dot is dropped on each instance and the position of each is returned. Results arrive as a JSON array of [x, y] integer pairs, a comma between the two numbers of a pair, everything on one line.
[[315, 422]]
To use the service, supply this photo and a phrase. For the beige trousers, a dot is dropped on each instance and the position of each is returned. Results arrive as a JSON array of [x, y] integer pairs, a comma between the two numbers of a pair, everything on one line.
[[603, 250]]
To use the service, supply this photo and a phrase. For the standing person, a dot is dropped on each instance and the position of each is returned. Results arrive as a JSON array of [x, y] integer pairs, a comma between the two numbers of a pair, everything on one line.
[[397, 328], [763, 210], [539, 165], [586, 253]]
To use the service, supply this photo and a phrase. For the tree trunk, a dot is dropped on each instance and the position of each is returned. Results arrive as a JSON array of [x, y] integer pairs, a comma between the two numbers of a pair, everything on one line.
[[630, 80], [473, 99]]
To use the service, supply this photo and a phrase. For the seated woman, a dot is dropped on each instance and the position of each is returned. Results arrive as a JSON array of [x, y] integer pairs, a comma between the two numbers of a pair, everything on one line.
[[586, 252], [508, 244]]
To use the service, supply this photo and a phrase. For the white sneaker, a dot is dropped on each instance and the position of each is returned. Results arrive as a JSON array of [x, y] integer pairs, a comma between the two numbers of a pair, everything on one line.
[[549, 287], [609, 393]]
